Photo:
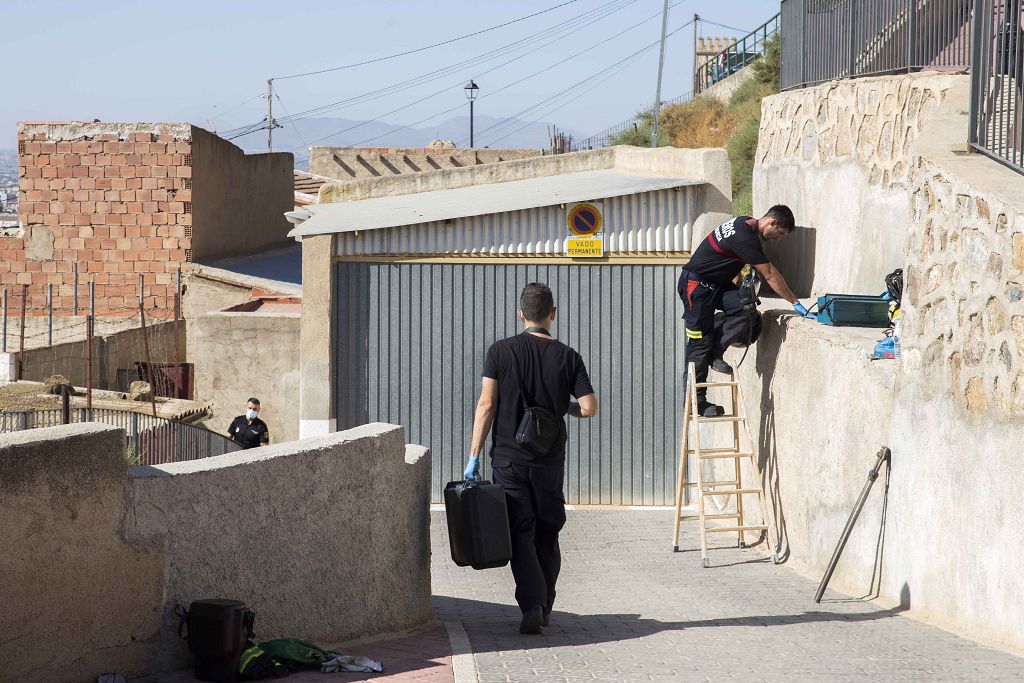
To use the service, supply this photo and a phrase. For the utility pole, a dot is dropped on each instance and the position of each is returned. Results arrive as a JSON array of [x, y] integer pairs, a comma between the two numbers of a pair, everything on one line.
[[270, 114], [661, 68], [695, 20]]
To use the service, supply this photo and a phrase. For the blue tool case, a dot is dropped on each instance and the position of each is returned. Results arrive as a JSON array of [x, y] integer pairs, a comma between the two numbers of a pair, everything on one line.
[[855, 310]]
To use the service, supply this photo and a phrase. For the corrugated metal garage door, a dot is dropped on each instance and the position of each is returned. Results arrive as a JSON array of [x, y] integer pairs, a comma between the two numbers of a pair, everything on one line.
[[412, 338]]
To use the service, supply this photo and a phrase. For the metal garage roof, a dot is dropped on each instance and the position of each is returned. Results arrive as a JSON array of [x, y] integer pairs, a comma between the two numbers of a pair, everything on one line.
[[479, 200]]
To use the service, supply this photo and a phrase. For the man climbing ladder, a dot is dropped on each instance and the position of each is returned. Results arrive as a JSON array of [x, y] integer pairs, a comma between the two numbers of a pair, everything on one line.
[[708, 282]]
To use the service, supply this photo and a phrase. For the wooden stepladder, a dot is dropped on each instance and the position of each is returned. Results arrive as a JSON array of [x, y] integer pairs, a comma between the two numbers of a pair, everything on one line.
[[714, 489]]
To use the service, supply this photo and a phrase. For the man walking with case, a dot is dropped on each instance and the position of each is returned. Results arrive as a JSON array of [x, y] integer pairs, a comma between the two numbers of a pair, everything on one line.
[[531, 369]]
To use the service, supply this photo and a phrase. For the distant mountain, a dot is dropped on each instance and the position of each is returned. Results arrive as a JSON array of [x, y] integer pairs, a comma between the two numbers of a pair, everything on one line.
[[489, 131]]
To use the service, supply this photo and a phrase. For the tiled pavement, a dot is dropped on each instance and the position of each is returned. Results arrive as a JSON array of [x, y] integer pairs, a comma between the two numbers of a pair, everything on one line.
[[629, 609]]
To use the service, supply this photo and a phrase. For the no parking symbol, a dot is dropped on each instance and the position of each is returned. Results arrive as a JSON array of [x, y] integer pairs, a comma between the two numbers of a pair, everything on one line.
[[585, 221]]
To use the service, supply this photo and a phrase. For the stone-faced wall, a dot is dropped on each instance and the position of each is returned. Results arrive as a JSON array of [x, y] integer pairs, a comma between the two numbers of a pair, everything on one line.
[[840, 155], [940, 536], [964, 290]]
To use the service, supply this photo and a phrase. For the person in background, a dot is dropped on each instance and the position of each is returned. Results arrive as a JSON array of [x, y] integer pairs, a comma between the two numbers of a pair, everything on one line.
[[248, 430]]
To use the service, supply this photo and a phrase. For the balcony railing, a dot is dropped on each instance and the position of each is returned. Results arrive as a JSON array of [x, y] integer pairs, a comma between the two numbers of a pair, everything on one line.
[[737, 56]]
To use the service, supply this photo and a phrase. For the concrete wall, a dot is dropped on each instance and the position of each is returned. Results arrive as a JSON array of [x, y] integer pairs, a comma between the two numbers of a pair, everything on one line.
[[711, 165], [239, 199], [840, 156], [951, 407], [724, 89], [74, 585], [346, 163], [111, 352], [105, 554], [238, 355]]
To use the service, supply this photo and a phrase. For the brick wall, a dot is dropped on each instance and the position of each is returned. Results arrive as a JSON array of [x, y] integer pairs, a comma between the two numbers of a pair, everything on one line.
[[113, 198]]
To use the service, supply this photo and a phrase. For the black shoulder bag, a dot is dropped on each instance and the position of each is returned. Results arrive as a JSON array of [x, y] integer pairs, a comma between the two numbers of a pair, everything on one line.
[[540, 429]]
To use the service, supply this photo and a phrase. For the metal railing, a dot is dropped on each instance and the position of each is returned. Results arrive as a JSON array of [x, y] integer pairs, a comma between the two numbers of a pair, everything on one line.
[[603, 139], [825, 40], [997, 95], [150, 440], [736, 56]]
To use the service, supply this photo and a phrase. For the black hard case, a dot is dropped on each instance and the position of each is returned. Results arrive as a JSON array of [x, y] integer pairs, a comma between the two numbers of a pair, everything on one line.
[[218, 631], [477, 524]]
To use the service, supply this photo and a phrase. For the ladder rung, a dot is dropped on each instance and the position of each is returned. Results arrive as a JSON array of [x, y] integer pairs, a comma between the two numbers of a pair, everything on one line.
[[705, 451], [734, 515], [713, 456], [701, 385], [713, 483], [745, 527], [721, 418], [729, 492]]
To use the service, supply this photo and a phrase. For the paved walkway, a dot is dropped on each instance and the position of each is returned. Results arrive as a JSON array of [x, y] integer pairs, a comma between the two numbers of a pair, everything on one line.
[[628, 609]]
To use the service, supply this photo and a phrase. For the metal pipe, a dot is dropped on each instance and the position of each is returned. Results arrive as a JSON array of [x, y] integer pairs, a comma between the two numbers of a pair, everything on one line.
[[92, 300], [3, 344], [149, 359], [88, 363], [49, 314], [21, 342], [884, 455], [74, 292]]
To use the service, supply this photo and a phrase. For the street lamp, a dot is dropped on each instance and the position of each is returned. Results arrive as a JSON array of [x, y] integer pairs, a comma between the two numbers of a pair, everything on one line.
[[471, 91]]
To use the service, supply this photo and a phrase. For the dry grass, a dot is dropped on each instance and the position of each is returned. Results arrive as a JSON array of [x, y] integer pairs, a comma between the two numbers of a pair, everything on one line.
[[704, 122]]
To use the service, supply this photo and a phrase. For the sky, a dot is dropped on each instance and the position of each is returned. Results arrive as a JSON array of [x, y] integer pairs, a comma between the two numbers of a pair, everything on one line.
[[207, 62]]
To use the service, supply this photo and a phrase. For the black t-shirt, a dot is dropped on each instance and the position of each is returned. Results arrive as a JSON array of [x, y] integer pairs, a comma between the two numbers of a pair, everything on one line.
[[551, 371], [249, 435], [724, 252]]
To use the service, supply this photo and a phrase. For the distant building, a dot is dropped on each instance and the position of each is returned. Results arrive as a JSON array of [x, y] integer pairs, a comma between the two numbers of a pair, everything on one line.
[[120, 199], [353, 163]]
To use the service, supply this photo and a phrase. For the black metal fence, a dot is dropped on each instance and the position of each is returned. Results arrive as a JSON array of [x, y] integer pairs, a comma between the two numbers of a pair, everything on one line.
[[150, 440], [824, 40], [735, 57], [997, 109]]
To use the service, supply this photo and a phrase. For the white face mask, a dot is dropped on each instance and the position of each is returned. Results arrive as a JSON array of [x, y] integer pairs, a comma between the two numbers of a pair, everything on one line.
[[250, 414]]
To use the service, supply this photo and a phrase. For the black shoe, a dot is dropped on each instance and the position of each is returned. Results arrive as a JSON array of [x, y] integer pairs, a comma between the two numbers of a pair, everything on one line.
[[547, 619], [533, 619], [707, 409], [719, 365]]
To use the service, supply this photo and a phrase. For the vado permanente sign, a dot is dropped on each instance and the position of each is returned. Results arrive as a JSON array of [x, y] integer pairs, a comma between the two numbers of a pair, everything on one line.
[[585, 222]]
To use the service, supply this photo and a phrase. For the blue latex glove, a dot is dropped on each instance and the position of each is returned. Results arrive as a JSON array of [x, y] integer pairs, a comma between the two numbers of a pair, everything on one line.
[[802, 310], [473, 468]]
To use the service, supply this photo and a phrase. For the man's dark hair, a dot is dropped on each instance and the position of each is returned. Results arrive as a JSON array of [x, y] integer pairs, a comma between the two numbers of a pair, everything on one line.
[[253, 400], [783, 215], [536, 302]]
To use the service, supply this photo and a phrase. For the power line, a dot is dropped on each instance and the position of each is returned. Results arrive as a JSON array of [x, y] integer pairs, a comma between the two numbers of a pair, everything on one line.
[[565, 92], [560, 30], [611, 72], [490, 94], [731, 28], [237, 106], [426, 47], [294, 127], [564, 28]]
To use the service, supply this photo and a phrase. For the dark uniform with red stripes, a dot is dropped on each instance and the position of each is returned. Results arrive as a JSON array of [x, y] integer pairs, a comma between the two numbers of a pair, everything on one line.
[[706, 285]]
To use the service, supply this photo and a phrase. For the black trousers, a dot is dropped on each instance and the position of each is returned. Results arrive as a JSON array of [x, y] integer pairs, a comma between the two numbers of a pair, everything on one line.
[[536, 513], [700, 301]]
